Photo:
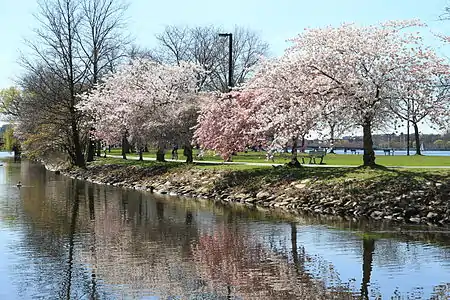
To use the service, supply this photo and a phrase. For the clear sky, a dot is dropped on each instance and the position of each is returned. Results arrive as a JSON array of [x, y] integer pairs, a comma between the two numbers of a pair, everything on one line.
[[276, 20]]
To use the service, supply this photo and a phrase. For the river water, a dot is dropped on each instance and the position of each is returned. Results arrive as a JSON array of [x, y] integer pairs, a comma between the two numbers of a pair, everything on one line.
[[68, 239]]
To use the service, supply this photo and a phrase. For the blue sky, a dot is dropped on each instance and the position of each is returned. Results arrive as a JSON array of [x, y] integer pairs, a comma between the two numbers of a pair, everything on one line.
[[275, 20]]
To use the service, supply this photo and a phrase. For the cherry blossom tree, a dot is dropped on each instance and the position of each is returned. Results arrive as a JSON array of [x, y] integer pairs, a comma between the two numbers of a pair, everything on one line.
[[351, 72], [225, 123], [271, 109], [366, 65], [144, 101], [420, 98]]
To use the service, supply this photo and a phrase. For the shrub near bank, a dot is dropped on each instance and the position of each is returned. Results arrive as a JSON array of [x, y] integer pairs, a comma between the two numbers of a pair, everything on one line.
[[414, 196]]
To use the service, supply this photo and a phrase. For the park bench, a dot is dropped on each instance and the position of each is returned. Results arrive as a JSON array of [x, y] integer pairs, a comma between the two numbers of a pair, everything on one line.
[[312, 155]]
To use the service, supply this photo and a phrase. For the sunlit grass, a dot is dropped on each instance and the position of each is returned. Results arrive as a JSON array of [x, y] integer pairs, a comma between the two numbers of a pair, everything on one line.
[[330, 159]]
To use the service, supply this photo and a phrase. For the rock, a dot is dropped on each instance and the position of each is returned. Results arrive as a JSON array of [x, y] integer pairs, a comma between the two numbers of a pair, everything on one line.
[[173, 194], [305, 181], [431, 215], [414, 220], [376, 214], [250, 200], [262, 194], [300, 186]]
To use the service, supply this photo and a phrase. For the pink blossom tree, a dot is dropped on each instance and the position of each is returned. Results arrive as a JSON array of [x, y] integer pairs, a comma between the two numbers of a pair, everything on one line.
[[226, 122], [272, 109]]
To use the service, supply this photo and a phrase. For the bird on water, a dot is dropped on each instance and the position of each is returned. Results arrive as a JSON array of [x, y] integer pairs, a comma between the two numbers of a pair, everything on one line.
[[19, 184]]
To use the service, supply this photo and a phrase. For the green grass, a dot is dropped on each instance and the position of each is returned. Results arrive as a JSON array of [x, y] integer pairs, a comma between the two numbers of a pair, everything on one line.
[[330, 159], [301, 173]]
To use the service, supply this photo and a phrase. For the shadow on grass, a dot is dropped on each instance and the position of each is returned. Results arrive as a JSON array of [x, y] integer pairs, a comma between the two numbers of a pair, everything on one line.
[[377, 178], [253, 179]]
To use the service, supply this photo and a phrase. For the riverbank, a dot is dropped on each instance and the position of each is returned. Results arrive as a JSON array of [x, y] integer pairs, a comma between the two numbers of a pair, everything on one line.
[[413, 196]]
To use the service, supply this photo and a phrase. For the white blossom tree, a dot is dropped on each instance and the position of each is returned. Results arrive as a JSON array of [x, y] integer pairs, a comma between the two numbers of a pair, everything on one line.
[[145, 102]]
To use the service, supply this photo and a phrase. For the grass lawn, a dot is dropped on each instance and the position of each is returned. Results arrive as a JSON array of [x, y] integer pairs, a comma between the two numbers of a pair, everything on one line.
[[270, 174], [330, 159]]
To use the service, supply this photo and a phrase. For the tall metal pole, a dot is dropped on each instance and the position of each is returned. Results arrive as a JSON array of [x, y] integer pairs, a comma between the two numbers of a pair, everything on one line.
[[230, 58], [407, 131], [230, 61]]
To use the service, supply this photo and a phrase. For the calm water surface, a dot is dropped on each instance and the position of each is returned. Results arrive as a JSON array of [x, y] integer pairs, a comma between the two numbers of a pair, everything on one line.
[[67, 239]]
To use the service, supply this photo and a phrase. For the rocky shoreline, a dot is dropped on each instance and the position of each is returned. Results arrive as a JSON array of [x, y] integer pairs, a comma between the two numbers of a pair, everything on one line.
[[397, 198]]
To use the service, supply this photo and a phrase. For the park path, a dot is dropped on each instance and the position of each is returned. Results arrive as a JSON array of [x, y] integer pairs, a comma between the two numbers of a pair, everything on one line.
[[277, 165]]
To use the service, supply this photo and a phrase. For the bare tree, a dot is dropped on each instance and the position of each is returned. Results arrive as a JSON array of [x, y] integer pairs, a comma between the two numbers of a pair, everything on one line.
[[77, 42], [103, 42], [135, 51], [203, 45], [101, 36], [56, 51]]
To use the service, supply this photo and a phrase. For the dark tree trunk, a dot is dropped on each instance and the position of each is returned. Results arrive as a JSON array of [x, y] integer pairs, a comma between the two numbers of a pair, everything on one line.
[[124, 146], [160, 153], [294, 163], [141, 158], [417, 139], [109, 148], [145, 148], [79, 156], [99, 148], [91, 150], [303, 143], [368, 250], [369, 154], [187, 151], [332, 138]]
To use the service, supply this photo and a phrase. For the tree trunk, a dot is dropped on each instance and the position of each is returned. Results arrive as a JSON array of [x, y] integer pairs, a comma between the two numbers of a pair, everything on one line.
[[145, 148], [187, 151], [98, 145], [160, 154], [79, 156], [417, 139], [124, 146], [91, 150], [294, 163], [303, 144], [141, 158], [369, 154], [332, 138]]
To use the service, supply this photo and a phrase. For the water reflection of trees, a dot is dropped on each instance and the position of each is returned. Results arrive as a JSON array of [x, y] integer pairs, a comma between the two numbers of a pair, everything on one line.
[[231, 261], [101, 241]]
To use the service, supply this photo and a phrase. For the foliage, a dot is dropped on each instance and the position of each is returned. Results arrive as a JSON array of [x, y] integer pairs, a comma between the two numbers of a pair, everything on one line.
[[9, 139]]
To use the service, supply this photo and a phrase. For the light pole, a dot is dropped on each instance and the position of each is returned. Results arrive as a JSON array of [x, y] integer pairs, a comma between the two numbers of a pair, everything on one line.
[[407, 130], [230, 58]]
